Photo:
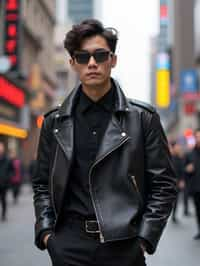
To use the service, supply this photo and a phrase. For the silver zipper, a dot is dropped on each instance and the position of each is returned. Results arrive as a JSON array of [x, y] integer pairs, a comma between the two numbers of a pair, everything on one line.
[[52, 193], [102, 240], [135, 183]]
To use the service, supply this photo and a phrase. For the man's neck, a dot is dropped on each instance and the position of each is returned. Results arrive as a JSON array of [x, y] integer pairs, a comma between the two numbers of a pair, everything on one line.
[[95, 93]]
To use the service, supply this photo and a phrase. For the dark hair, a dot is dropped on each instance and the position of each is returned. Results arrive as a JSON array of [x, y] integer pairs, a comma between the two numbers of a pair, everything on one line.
[[89, 28]]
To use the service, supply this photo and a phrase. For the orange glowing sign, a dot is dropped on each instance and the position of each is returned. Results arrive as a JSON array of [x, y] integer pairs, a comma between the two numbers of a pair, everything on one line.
[[39, 121]]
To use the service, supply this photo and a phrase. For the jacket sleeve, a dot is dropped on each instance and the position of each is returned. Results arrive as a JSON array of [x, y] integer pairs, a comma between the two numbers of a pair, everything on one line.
[[161, 179], [45, 216]]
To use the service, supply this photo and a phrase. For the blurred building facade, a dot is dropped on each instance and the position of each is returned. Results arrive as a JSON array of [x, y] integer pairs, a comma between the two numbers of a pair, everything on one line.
[[66, 77], [27, 38], [79, 10], [175, 82]]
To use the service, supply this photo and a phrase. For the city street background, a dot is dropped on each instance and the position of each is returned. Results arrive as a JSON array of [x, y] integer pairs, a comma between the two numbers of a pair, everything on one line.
[[177, 246], [158, 62]]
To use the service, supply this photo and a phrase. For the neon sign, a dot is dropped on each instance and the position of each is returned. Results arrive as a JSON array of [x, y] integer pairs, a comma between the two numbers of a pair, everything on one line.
[[12, 32], [11, 93]]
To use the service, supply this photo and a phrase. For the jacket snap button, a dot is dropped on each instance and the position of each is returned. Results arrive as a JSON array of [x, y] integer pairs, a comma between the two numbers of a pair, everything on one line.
[[57, 115], [56, 130], [123, 134]]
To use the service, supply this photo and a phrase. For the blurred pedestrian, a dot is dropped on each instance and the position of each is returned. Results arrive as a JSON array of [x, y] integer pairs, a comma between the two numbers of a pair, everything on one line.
[[178, 160], [193, 172], [17, 177], [104, 184], [6, 171]]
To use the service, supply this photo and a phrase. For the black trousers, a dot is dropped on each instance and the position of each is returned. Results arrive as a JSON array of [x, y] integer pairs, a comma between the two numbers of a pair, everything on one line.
[[72, 246], [196, 198], [15, 188], [3, 192]]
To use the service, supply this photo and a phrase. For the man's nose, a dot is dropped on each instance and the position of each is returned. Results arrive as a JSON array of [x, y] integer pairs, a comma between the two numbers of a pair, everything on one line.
[[92, 61]]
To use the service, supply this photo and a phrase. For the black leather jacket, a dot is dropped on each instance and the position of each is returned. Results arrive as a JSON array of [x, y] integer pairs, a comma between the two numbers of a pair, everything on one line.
[[132, 181]]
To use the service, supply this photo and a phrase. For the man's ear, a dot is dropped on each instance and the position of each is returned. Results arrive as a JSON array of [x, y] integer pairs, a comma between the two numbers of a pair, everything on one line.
[[72, 64], [114, 60]]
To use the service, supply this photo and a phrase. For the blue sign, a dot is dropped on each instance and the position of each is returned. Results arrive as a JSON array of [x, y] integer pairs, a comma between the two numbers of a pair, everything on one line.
[[189, 81]]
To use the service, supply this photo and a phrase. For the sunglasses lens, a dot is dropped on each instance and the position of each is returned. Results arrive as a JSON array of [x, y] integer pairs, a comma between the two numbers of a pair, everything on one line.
[[82, 57], [101, 56]]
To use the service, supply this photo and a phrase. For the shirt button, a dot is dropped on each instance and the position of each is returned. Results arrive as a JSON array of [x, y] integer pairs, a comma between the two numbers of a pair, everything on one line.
[[123, 134], [94, 133]]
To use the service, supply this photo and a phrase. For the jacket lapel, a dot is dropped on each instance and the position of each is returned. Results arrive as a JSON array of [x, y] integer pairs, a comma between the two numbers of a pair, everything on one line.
[[113, 138], [65, 137]]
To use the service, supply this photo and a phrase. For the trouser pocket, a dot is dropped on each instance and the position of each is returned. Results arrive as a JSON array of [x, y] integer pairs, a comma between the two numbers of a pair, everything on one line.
[[55, 251]]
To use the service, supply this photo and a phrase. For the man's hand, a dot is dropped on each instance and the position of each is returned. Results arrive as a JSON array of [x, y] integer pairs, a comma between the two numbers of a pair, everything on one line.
[[142, 244], [143, 247], [46, 239]]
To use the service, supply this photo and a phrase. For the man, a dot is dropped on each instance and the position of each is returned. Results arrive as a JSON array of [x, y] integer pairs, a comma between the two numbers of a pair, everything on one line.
[[6, 171], [104, 184], [193, 171]]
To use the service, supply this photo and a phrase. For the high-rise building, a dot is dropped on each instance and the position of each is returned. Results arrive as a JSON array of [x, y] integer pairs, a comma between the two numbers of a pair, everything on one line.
[[26, 38], [79, 10]]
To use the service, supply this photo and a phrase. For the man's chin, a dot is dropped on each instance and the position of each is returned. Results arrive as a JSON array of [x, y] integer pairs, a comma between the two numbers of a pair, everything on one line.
[[94, 83]]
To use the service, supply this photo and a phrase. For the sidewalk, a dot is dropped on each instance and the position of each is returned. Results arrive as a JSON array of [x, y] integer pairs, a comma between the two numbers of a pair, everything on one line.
[[176, 248]]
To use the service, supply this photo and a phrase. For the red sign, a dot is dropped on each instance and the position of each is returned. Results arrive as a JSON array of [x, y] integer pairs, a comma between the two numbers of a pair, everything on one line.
[[191, 96], [189, 108], [11, 93], [12, 32], [163, 11]]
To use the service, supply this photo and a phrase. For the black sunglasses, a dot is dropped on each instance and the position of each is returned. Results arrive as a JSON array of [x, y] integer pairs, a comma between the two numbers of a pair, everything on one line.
[[100, 56]]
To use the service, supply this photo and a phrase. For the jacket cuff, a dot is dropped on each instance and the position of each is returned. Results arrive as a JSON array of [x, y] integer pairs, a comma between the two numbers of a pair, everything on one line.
[[150, 233]]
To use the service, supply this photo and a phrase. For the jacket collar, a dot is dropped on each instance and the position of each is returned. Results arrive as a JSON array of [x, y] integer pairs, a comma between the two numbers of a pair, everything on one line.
[[67, 106]]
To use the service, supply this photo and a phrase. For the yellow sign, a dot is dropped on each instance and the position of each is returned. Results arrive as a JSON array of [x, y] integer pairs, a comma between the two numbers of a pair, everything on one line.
[[13, 131], [163, 88]]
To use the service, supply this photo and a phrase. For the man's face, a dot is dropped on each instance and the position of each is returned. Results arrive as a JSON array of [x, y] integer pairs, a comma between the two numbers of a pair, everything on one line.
[[197, 138], [94, 73]]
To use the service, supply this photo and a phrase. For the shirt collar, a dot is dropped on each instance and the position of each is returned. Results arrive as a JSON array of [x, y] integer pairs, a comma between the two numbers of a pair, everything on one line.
[[107, 102]]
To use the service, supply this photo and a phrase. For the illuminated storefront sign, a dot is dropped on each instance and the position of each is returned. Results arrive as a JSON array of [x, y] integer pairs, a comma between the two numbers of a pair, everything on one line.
[[12, 32], [39, 121], [11, 93], [12, 131]]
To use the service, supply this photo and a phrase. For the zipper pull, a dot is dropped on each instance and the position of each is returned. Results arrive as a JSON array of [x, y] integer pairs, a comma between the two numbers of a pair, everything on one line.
[[101, 238], [134, 182]]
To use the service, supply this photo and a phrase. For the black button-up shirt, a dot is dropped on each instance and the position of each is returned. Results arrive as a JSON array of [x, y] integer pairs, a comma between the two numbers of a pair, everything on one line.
[[90, 121]]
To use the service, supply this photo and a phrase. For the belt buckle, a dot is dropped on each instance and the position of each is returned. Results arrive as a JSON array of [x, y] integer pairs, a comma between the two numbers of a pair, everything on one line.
[[87, 224]]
